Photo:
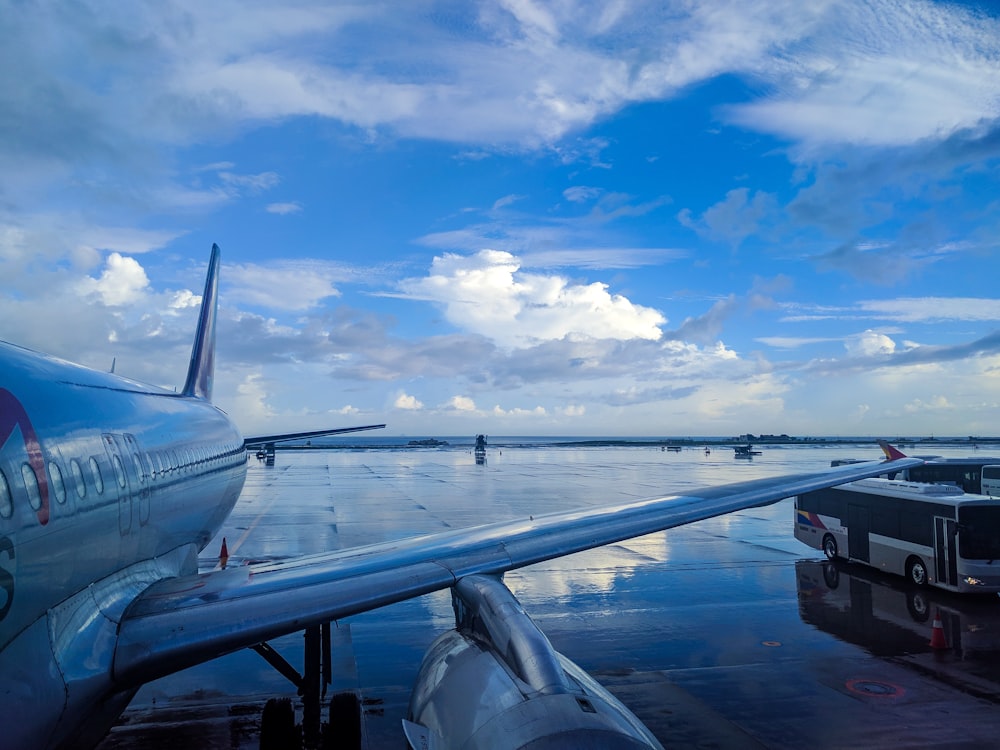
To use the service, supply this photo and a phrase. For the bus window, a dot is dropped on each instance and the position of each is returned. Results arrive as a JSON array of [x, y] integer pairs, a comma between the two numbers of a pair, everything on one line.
[[979, 532], [991, 481]]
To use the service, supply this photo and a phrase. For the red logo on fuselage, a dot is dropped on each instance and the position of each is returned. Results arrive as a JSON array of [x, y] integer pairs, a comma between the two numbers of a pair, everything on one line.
[[13, 415]]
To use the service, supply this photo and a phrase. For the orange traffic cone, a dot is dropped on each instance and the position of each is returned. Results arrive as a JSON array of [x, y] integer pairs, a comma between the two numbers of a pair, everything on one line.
[[223, 553], [937, 632]]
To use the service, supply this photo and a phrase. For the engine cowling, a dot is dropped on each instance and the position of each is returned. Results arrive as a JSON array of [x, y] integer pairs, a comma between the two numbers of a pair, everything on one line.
[[496, 682]]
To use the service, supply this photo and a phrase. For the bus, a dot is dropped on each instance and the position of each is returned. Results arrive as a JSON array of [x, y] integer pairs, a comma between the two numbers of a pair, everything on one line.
[[934, 534], [967, 473], [977, 476]]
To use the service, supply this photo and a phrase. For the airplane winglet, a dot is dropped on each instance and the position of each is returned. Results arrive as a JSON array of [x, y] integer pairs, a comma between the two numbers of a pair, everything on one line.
[[891, 454], [201, 371]]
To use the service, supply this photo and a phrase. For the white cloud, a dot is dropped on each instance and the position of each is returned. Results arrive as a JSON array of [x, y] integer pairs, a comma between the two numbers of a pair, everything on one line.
[[252, 399], [461, 403], [886, 73], [792, 342], [283, 208], [733, 219], [912, 309], [506, 201], [869, 343], [126, 240], [486, 293], [122, 282], [250, 183], [934, 403], [407, 402], [184, 299], [581, 193], [284, 285], [538, 411]]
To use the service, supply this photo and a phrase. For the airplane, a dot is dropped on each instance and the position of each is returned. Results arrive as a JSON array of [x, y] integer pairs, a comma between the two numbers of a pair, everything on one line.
[[109, 489]]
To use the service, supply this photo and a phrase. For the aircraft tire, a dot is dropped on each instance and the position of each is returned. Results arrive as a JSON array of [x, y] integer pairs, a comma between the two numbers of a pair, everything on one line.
[[277, 726], [344, 729]]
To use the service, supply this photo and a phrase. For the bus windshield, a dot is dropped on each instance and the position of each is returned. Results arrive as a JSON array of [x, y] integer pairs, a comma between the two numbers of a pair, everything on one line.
[[979, 532]]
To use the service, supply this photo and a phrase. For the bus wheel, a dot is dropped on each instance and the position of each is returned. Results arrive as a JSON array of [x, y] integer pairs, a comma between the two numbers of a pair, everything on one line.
[[830, 547], [918, 607], [831, 576], [916, 571]]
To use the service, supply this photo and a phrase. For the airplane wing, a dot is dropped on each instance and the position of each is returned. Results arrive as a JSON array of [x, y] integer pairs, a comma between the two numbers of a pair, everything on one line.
[[179, 622], [263, 439]]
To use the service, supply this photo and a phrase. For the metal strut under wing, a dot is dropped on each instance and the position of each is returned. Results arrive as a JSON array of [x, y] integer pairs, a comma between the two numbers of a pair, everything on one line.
[[180, 622]]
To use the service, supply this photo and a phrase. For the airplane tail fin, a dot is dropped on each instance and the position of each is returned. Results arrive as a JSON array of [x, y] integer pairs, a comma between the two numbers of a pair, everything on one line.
[[201, 371], [891, 453]]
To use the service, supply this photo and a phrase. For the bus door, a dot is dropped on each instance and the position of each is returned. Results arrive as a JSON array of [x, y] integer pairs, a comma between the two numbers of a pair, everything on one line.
[[945, 557], [858, 526]]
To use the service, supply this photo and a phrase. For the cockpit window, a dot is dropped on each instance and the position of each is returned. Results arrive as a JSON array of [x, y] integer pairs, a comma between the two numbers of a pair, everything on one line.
[[6, 502], [31, 485]]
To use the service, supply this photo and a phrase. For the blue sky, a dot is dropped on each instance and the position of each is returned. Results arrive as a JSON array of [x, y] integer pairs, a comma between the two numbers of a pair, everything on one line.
[[565, 218]]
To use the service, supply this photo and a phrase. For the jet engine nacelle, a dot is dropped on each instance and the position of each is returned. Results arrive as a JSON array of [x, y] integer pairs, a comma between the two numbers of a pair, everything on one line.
[[496, 682]]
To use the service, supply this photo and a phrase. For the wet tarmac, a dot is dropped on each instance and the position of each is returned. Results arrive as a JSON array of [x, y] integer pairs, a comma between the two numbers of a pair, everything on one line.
[[723, 634]]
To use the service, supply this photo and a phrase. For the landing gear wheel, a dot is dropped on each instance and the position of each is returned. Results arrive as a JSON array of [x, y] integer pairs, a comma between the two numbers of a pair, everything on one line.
[[344, 729], [830, 547], [916, 571], [277, 726]]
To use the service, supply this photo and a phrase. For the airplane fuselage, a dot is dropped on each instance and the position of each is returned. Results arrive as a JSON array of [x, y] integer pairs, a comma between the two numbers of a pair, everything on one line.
[[89, 517]]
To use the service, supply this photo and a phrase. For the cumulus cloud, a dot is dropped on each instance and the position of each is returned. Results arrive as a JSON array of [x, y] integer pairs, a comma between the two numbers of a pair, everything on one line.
[[488, 294], [122, 282], [461, 403], [870, 343], [407, 402]]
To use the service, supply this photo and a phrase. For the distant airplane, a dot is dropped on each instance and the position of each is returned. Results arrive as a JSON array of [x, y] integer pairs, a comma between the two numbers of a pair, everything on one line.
[[110, 488]]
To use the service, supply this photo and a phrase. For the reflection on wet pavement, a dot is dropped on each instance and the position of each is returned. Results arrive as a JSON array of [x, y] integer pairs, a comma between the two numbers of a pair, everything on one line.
[[726, 633]]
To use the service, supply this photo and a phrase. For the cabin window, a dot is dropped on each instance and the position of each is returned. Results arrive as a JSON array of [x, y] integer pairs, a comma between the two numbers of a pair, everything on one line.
[[58, 486], [95, 469], [138, 468], [77, 472], [149, 465], [6, 502], [119, 471], [31, 485]]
